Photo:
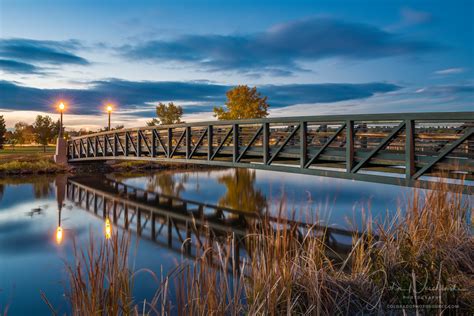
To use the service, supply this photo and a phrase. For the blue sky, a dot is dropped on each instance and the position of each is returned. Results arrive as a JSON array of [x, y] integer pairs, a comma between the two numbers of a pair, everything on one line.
[[308, 57]]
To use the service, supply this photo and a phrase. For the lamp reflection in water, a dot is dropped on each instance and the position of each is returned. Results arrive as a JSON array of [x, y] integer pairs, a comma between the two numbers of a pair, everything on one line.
[[60, 182], [108, 229], [59, 229], [59, 235]]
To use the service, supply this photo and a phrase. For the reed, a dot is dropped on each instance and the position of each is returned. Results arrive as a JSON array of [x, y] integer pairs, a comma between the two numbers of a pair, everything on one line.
[[421, 258]]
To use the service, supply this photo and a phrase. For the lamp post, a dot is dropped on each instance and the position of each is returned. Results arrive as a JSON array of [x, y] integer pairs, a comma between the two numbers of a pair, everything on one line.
[[61, 144], [109, 111], [61, 110]]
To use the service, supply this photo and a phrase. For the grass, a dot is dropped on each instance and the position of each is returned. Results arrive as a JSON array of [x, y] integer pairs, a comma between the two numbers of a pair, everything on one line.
[[420, 259], [29, 164], [28, 160], [26, 150]]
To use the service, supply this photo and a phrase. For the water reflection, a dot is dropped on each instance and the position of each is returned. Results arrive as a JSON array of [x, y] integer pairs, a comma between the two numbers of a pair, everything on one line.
[[108, 228], [167, 183], [60, 184], [182, 225], [242, 193], [33, 248]]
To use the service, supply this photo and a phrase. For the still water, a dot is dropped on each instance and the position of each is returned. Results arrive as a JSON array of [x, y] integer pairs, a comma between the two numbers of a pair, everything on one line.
[[33, 256]]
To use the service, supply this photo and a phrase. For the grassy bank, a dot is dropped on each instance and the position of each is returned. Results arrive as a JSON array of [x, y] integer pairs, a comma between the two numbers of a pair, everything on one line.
[[28, 164], [419, 261]]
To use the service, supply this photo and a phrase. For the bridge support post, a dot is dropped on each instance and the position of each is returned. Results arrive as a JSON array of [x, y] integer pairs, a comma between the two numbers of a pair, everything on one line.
[[61, 151]]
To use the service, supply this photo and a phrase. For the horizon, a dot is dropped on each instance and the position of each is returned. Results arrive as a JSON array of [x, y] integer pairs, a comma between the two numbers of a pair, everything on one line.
[[335, 57]]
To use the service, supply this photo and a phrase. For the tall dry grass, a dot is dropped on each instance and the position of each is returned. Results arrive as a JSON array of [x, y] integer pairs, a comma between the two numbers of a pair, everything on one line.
[[101, 280], [419, 261]]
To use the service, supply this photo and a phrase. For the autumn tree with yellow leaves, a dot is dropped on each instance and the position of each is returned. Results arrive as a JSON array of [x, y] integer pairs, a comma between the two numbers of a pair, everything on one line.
[[242, 103]]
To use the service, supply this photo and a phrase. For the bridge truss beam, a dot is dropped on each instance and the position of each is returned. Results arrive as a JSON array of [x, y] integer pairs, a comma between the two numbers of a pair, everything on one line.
[[403, 149]]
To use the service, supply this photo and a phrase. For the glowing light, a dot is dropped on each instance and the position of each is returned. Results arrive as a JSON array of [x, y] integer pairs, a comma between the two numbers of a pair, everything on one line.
[[61, 106], [108, 229], [109, 108], [59, 235]]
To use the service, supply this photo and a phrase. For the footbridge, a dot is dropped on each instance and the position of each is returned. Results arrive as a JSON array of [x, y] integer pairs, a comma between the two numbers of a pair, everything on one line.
[[407, 149]]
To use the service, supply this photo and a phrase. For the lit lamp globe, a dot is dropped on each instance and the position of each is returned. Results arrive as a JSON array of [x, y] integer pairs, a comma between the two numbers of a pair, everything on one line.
[[109, 111]]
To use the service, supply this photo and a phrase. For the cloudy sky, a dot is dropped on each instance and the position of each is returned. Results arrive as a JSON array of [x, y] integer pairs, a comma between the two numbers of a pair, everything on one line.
[[308, 57]]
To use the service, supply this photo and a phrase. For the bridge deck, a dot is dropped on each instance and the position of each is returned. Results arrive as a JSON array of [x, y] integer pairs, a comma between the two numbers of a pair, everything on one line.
[[403, 149]]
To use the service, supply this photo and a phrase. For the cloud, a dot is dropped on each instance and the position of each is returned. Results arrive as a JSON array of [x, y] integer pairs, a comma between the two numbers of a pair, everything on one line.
[[135, 97], [17, 67], [450, 71], [281, 49], [448, 90], [44, 52], [412, 17]]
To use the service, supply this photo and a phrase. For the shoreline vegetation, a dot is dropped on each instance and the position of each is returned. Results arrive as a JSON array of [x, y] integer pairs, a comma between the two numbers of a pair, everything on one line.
[[418, 261], [31, 161]]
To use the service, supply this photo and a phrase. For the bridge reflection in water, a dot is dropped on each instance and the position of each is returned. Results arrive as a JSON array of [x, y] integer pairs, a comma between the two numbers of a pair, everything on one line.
[[184, 225]]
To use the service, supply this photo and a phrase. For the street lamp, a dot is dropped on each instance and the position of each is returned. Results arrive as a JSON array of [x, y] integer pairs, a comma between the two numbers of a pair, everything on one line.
[[61, 107], [109, 110]]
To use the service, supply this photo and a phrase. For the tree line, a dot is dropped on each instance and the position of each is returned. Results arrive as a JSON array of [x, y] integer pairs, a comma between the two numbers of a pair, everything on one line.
[[242, 102], [43, 131]]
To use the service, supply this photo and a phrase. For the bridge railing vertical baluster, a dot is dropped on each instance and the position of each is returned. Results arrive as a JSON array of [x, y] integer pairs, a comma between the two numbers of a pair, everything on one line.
[[88, 149], [115, 153], [139, 221], [409, 149], [210, 140], [188, 142], [349, 145], [266, 142], [153, 143], [126, 143], [303, 143], [235, 140], [153, 226], [139, 143], [170, 141], [105, 138], [170, 231]]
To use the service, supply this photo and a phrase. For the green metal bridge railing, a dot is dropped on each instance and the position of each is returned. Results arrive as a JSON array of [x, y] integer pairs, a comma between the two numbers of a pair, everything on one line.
[[404, 149]]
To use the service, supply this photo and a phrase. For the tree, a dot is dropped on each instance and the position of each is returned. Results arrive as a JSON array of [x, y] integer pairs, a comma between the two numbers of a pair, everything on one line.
[[24, 133], [242, 103], [3, 130], [167, 114], [11, 139], [45, 130], [106, 128]]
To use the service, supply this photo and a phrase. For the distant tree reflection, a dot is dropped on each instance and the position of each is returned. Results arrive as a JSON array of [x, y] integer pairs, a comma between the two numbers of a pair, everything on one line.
[[168, 183], [2, 189], [42, 187], [241, 191]]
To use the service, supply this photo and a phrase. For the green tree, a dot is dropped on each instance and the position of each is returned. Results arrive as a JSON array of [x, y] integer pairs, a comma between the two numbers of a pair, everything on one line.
[[24, 133], [3, 130], [45, 130], [242, 103], [167, 114]]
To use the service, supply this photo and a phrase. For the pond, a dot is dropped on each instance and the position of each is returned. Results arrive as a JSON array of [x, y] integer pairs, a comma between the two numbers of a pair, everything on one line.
[[33, 255]]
